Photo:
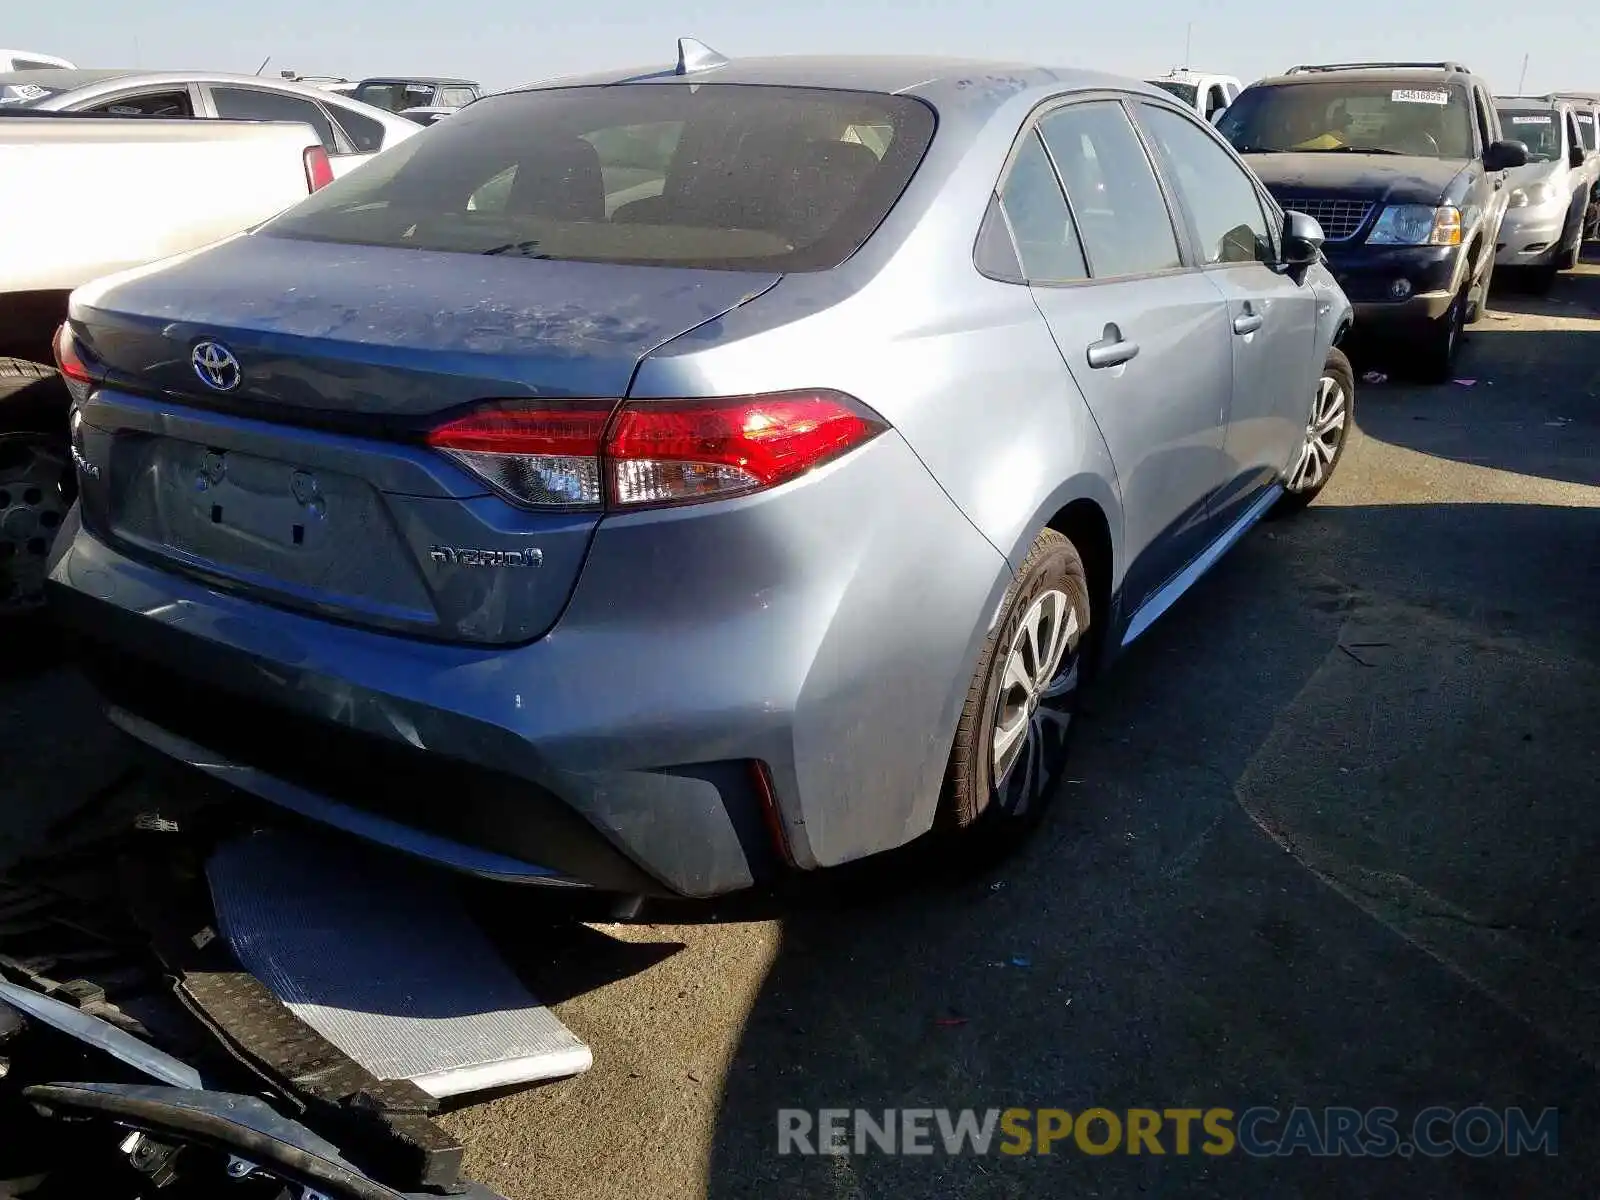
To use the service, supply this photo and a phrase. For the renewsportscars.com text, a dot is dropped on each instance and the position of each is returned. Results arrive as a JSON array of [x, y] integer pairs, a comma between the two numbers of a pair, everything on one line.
[[1258, 1132]]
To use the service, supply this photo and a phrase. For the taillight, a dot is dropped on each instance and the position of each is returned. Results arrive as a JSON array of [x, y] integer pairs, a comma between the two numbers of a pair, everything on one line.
[[70, 362], [654, 452], [546, 456], [319, 171]]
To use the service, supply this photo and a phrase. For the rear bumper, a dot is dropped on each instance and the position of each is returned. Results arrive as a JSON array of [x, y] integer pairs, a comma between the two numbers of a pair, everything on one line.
[[794, 630]]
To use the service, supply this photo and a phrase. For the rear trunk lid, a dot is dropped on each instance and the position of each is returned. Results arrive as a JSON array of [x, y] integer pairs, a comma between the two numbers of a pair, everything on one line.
[[304, 482]]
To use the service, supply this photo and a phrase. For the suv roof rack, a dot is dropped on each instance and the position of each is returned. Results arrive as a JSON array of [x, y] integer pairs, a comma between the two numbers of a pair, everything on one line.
[[1312, 68]]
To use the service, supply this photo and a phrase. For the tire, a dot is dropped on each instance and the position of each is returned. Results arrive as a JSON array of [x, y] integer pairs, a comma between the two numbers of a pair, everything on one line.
[[995, 809], [1441, 339], [37, 482], [36, 490], [1327, 433]]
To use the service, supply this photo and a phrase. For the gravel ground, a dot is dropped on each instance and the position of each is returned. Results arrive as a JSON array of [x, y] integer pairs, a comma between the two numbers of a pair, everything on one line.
[[1328, 841]]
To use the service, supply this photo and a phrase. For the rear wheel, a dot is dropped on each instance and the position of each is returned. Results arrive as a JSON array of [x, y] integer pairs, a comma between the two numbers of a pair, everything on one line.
[[1011, 743], [35, 493], [37, 482]]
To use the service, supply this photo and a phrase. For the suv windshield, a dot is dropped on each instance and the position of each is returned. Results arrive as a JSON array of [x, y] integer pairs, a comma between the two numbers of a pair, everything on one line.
[[395, 96], [715, 175], [1187, 92], [1405, 117], [1538, 128]]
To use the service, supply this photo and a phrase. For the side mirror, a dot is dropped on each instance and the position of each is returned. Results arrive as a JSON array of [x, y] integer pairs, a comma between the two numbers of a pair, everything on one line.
[[1302, 239], [1504, 155], [1216, 117], [1576, 157]]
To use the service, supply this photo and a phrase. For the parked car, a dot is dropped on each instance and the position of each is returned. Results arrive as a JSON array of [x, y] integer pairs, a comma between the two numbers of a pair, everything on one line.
[[1542, 232], [397, 95], [29, 60], [1405, 167], [1586, 108], [179, 185], [351, 132], [767, 521], [1206, 93]]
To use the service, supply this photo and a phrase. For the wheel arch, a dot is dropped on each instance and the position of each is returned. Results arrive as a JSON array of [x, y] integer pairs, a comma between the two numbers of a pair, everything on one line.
[[1088, 512]]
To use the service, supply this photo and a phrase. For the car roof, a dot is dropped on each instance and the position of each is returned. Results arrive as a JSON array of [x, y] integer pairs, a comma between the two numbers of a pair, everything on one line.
[[941, 81], [434, 79], [1187, 76], [1425, 75], [62, 80], [1552, 102]]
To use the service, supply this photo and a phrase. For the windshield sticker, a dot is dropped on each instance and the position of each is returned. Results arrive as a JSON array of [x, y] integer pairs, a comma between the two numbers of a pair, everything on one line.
[[1530, 120], [1583, 120], [124, 110], [24, 91], [1411, 96]]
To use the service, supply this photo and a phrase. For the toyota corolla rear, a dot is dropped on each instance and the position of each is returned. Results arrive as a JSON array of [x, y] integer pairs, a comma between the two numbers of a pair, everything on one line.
[[378, 523]]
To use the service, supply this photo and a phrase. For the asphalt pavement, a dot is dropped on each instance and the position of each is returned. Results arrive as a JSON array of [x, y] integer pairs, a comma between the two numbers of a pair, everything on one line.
[[1328, 841]]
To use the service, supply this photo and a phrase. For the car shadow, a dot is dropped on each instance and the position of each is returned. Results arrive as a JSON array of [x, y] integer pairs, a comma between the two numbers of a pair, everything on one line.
[[1507, 407], [1325, 843]]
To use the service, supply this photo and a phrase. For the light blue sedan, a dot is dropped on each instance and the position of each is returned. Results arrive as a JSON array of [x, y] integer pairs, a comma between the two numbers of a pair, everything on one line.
[[662, 482]]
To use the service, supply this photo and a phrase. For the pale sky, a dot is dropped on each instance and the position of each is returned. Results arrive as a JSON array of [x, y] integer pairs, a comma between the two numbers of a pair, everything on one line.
[[505, 42]]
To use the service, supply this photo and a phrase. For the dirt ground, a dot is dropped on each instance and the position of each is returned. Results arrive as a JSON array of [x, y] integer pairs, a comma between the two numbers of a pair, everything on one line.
[[1329, 840]]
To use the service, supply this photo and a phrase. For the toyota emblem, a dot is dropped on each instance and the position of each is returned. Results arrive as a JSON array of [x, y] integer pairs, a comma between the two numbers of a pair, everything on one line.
[[217, 367]]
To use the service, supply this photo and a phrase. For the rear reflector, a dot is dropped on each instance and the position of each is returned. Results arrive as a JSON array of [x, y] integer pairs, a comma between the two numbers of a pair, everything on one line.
[[319, 171], [654, 452]]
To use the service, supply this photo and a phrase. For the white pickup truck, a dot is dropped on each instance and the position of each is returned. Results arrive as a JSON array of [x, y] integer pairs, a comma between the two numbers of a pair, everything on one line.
[[84, 197], [1208, 94]]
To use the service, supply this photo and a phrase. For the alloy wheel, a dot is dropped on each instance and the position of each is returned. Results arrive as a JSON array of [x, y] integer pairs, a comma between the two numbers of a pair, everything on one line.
[[1034, 708], [33, 503], [1324, 435]]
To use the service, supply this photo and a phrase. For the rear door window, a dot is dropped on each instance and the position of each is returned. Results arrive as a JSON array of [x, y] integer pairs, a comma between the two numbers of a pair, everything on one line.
[[724, 176], [1115, 198], [455, 97], [1028, 234], [365, 133], [165, 103], [254, 104]]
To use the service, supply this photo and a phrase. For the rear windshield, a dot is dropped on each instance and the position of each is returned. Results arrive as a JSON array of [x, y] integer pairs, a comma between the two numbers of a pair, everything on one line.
[[1187, 92], [1538, 128], [725, 176], [1390, 117], [25, 95]]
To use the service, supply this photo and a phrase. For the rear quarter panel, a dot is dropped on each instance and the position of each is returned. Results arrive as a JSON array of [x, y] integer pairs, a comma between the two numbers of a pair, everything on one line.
[[965, 370]]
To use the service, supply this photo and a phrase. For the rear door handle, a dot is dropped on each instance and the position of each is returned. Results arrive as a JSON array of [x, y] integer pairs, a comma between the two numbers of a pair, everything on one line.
[[1112, 350], [1248, 322]]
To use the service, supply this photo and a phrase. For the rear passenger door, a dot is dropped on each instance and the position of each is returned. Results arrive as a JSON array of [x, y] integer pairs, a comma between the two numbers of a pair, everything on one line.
[[259, 104], [1272, 319], [1144, 337]]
